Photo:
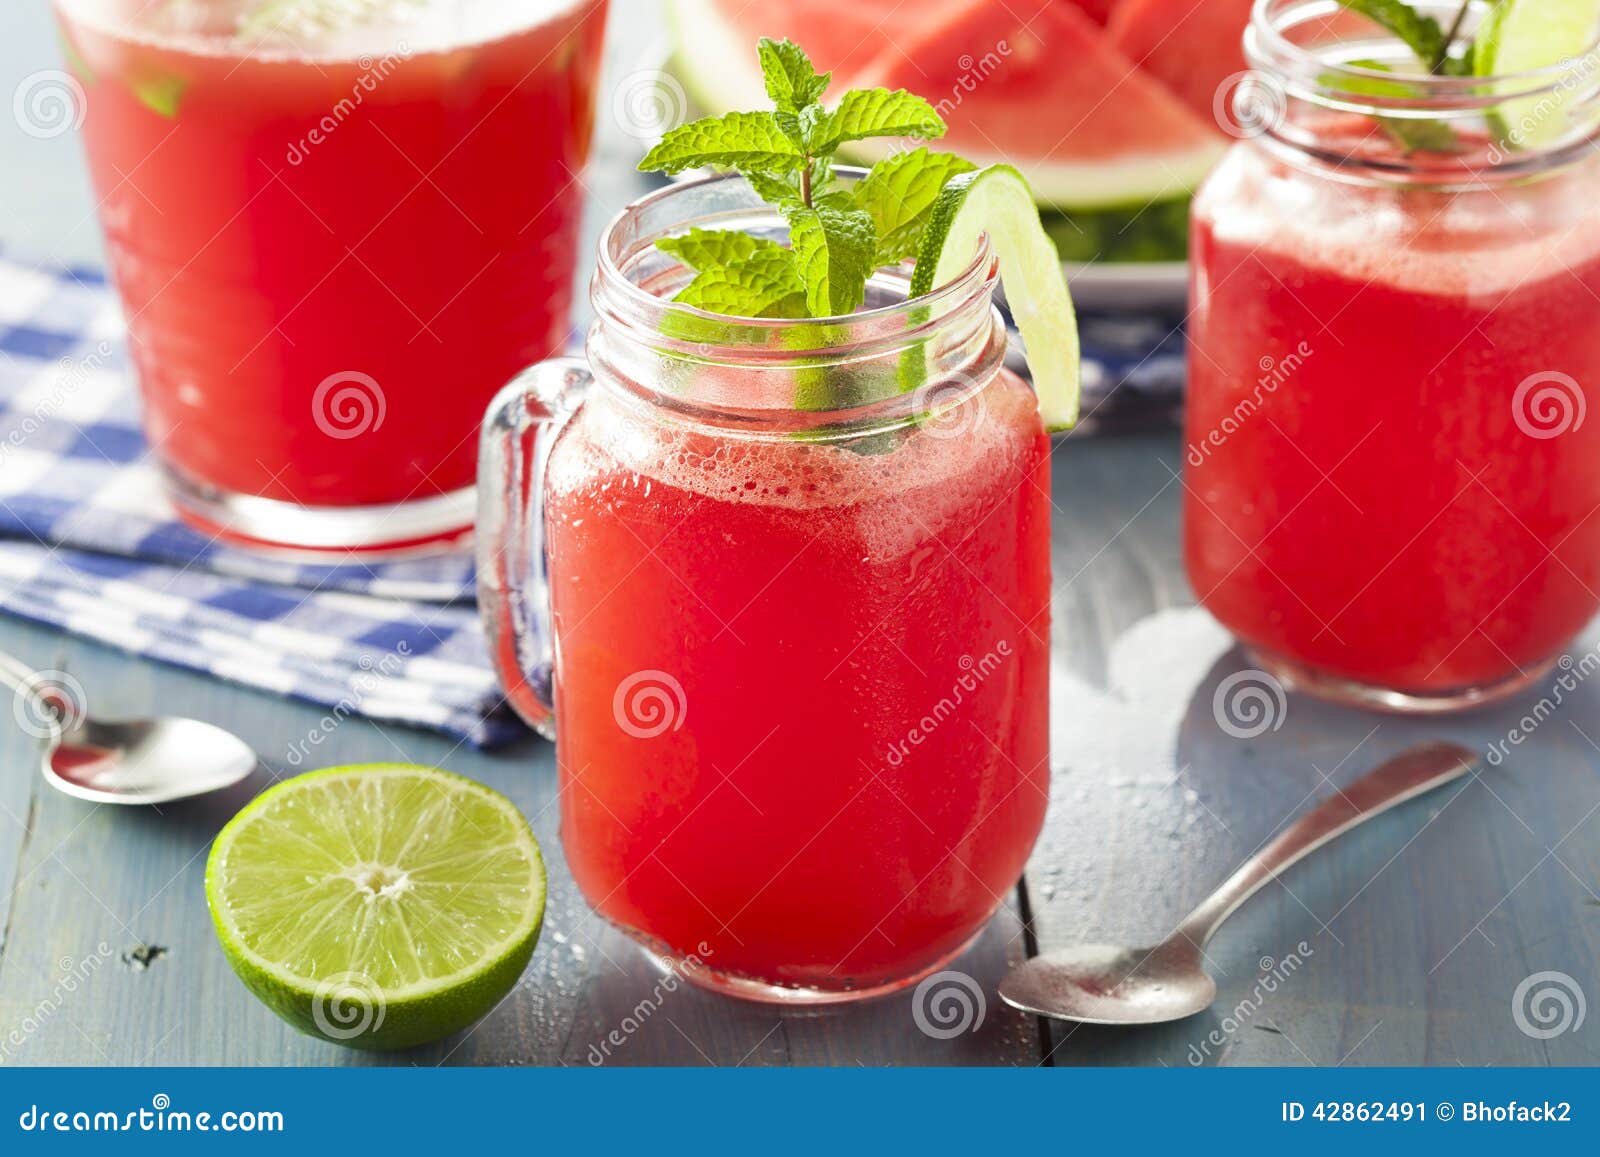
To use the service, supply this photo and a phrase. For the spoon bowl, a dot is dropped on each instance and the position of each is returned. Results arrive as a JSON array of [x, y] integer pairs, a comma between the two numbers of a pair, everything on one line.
[[123, 761], [145, 761], [1108, 984]]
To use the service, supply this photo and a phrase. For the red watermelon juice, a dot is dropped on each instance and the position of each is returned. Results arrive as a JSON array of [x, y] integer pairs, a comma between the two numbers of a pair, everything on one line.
[[333, 244], [803, 710]]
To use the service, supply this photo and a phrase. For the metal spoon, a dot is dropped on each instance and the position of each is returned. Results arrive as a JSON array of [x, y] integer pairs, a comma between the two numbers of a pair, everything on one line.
[[1105, 984], [125, 761]]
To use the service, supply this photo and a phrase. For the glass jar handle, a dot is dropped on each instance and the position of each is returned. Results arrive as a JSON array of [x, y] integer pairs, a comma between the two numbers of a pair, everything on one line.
[[519, 431]]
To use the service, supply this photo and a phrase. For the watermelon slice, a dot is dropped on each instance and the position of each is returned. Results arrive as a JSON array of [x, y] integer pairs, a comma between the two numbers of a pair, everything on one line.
[[1193, 48], [715, 41], [1049, 94], [1085, 126]]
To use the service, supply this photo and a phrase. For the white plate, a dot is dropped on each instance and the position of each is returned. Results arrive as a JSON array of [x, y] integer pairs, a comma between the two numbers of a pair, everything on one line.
[[1130, 285]]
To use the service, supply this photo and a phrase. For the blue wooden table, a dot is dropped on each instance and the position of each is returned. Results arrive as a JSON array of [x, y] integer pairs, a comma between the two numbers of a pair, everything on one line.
[[1406, 943]]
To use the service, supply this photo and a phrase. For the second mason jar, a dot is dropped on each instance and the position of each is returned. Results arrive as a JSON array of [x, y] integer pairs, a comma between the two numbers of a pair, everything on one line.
[[1391, 486], [798, 620]]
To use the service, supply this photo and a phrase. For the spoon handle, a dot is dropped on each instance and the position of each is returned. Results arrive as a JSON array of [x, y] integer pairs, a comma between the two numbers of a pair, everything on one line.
[[16, 674], [24, 680], [1406, 776]]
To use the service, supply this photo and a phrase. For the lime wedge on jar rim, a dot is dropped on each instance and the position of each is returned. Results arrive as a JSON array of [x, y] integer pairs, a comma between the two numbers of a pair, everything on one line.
[[1521, 36], [996, 201], [378, 906]]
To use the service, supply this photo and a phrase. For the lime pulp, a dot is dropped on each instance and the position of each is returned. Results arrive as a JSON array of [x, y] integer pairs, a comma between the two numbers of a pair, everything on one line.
[[996, 201], [378, 906]]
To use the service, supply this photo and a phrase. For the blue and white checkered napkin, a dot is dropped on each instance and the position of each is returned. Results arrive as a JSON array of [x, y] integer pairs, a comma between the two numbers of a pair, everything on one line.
[[89, 543]]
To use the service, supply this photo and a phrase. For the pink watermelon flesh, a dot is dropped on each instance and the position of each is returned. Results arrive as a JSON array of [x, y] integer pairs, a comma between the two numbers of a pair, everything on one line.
[[839, 38], [1193, 47], [1061, 92]]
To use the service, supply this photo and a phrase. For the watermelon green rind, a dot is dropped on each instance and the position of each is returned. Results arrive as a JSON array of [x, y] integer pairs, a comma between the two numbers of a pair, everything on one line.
[[1093, 183]]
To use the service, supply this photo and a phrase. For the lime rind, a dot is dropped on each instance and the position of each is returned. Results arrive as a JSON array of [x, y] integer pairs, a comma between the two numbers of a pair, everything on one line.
[[281, 878], [1523, 36], [996, 201]]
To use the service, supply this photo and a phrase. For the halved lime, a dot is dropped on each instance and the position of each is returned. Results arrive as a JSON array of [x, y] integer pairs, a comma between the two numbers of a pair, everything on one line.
[[1525, 35], [996, 201], [378, 906]]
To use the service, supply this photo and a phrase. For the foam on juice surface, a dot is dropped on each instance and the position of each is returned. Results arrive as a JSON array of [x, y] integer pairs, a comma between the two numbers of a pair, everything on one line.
[[313, 29], [1422, 241], [934, 470]]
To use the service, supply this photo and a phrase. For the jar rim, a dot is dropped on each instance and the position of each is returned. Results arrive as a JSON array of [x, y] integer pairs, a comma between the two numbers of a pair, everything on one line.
[[1268, 45], [744, 377], [977, 277]]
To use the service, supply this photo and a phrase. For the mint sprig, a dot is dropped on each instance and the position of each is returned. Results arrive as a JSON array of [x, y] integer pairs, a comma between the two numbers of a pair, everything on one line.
[[1431, 43], [838, 233], [1428, 40]]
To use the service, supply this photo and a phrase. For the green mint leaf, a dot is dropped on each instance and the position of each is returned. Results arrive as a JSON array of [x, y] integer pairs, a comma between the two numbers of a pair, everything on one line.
[[878, 112], [789, 124], [833, 249], [702, 248], [791, 79], [1421, 34], [774, 190], [899, 192], [764, 284], [738, 140]]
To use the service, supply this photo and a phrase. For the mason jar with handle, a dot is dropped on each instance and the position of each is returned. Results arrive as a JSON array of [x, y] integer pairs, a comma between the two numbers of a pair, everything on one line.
[[780, 592]]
